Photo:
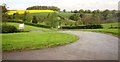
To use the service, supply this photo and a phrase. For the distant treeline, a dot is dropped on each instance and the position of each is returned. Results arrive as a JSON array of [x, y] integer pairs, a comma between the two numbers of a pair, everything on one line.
[[43, 8]]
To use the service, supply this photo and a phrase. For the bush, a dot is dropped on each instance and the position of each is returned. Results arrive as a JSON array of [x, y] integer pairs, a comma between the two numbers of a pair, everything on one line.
[[31, 24], [84, 27], [9, 29], [37, 25], [114, 27]]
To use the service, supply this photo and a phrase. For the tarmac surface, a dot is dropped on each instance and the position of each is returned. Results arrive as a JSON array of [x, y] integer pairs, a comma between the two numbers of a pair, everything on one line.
[[90, 46]]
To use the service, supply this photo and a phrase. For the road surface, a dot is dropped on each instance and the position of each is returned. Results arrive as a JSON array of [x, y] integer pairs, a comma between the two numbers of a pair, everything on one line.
[[90, 46]]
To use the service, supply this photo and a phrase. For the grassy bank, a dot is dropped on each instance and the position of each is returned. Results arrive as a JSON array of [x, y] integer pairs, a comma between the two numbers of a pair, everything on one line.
[[28, 27], [22, 41]]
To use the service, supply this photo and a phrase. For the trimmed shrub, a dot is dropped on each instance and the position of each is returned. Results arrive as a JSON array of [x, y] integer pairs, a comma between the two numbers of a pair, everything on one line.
[[9, 29], [37, 25], [84, 27], [32, 24]]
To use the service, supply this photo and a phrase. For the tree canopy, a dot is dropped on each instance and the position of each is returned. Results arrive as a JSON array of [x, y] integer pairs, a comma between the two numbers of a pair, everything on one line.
[[44, 8]]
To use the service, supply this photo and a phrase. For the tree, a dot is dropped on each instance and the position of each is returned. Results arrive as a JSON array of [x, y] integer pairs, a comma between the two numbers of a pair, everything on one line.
[[98, 11], [62, 20], [87, 20], [113, 16], [4, 17], [4, 9], [55, 8], [105, 14], [44, 8], [81, 11], [114, 13], [64, 10], [16, 17], [87, 11], [75, 11], [118, 15], [75, 17], [96, 17], [34, 20], [4, 14], [27, 17], [72, 11], [71, 23], [53, 20], [82, 15]]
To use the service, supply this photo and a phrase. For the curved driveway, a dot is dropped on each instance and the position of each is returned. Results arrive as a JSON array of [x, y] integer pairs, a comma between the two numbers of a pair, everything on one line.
[[90, 46]]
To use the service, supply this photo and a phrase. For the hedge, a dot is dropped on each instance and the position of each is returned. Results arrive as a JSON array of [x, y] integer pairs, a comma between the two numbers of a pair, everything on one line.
[[32, 24], [8, 29], [83, 27]]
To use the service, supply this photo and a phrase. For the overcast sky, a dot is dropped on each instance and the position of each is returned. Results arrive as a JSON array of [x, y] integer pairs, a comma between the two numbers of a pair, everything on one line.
[[63, 4]]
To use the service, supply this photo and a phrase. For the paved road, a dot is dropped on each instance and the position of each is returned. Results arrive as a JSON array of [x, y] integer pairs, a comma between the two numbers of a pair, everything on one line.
[[90, 46]]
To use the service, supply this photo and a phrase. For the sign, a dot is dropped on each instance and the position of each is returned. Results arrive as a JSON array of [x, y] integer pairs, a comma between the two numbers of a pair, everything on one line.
[[58, 26], [21, 26]]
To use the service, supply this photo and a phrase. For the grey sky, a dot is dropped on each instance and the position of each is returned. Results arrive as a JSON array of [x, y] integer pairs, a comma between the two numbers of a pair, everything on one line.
[[63, 4]]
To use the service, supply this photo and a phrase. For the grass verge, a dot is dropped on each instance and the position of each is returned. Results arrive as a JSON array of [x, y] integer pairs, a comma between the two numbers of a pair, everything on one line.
[[114, 32], [26, 41]]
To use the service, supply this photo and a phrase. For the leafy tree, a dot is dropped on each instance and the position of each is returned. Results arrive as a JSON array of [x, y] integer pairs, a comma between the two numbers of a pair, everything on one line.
[[62, 21], [71, 23], [75, 11], [55, 8], [112, 17], [64, 10], [40, 19], [81, 11], [27, 17], [53, 20], [87, 11], [98, 11], [118, 15], [82, 15], [4, 9], [114, 13], [44, 8], [87, 20], [96, 17], [105, 14], [34, 20], [5, 16], [72, 11], [75, 17], [16, 17]]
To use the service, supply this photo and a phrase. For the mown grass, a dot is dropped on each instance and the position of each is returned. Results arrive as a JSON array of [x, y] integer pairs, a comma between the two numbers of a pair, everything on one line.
[[108, 25], [25, 41], [107, 29], [110, 31], [28, 27]]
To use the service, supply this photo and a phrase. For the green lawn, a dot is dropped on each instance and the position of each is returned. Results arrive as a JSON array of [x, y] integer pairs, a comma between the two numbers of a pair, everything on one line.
[[111, 31], [106, 29], [23, 41], [28, 27], [108, 25]]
